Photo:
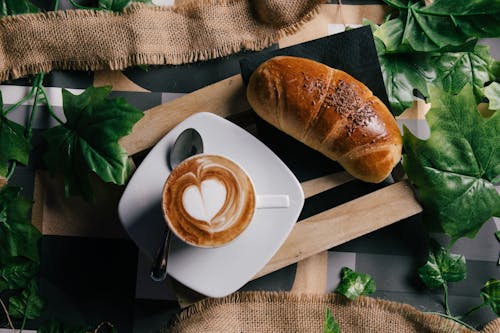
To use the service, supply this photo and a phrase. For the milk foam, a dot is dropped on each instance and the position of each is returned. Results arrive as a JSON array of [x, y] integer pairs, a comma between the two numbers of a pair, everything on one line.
[[203, 202]]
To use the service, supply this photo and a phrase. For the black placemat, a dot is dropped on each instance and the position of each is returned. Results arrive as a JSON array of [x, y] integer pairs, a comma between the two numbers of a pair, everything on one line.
[[352, 51]]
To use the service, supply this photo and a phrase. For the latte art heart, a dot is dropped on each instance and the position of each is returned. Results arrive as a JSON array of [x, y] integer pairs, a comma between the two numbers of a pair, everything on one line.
[[205, 201], [208, 200]]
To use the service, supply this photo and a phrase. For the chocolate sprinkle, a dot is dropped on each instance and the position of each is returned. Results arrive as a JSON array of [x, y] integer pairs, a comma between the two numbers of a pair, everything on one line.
[[347, 102]]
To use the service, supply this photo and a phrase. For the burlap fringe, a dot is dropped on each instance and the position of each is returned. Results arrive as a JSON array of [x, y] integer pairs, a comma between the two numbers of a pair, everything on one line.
[[143, 59], [406, 311]]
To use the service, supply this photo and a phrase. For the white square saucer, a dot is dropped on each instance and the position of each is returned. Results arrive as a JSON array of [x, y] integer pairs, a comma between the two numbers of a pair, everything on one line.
[[214, 272]]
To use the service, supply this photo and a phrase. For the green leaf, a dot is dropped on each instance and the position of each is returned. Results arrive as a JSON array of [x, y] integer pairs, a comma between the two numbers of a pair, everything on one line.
[[397, 3], [450, 71], [443, 26], [19, 237], [28, 303], [330, 325], [15, 273], [390, 35], [402, 74], [88, 141], [55, 326], [13, 7], [144, 67], [490, 294], [455, 169], [455, 70], [113, 5], [492, 92], [355, 284], [442, 267], [13, 144]]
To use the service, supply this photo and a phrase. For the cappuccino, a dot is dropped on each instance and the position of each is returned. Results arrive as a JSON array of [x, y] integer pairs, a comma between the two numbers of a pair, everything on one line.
[[208, 200]]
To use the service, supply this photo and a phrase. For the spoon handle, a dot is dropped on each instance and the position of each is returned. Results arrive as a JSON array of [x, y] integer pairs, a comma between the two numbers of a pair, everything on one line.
[[159, 268]]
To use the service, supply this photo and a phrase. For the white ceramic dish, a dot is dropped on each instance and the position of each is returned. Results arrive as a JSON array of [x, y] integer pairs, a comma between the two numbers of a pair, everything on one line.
[[218, 271]]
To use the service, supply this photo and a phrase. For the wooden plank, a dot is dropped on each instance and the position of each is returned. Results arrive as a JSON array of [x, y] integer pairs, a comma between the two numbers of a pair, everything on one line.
[[224, 98], [311, 275], [325, 183], [55, 214], [344, 223], [116, 79]]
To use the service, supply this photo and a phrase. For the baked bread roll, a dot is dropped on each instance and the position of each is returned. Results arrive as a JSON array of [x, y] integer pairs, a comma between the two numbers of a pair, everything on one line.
[[330, 111]]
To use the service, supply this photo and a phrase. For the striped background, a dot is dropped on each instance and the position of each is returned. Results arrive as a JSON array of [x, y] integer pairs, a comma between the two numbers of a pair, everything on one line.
[[93, 278]]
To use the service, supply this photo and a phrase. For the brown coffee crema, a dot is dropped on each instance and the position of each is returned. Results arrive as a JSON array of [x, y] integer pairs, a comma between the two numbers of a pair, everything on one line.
[[236, 210]]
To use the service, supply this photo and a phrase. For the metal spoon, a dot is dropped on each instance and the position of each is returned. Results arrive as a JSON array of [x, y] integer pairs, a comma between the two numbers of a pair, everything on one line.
[[187, 144]]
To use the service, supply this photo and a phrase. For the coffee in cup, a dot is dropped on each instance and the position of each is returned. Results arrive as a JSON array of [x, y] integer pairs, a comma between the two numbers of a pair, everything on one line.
[[208, 200]]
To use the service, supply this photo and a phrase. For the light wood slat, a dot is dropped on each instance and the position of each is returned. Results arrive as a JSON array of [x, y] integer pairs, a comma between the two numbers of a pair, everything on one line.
[[311, 275], [344, 223], [224, 98]]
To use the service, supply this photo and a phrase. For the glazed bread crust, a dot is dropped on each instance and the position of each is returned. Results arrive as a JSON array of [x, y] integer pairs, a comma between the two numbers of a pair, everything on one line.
[[330, 111]]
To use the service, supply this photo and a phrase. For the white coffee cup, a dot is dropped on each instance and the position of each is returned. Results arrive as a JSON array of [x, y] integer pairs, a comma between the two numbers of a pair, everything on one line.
[[209, 200]]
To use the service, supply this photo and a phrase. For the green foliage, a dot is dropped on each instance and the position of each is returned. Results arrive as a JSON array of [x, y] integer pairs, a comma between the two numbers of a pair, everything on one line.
[[330, 325], [19, 237], [490, 294], [442, 26], [492, 92], [455, 70], [88, 141], [455, 169], [144, 67], [19, 261], [13, 7], [450, 71], [442, 267], [355, 284], [15, 273], [13, 144], [28, 304]]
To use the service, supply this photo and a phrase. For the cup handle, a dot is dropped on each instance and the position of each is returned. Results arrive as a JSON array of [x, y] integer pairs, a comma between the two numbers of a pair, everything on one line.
[[272, 201]]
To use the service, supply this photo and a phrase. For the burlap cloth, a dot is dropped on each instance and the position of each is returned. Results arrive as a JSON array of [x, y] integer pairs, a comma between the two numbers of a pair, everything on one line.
[[94, 40], [272, 312]]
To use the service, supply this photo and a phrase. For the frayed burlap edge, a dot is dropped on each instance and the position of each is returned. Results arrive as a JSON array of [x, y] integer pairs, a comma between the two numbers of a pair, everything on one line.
[[408, 312], [119, 63]]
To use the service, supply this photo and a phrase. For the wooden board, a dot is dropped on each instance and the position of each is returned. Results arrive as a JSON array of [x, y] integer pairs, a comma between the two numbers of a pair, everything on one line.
[[311, 275], [311, 236], [344, 223], [224, 98]]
